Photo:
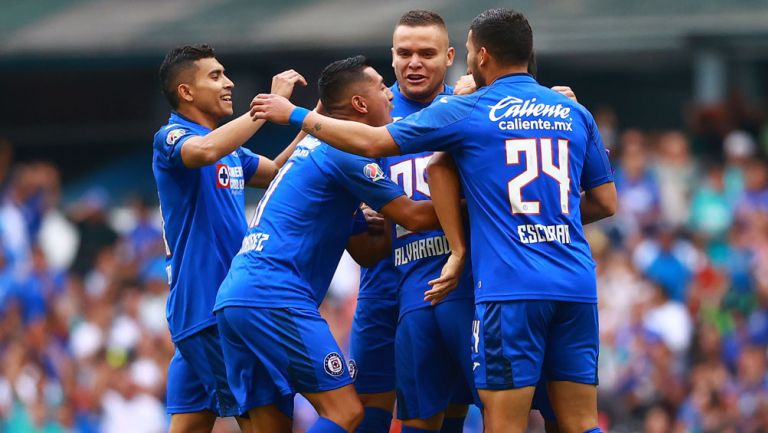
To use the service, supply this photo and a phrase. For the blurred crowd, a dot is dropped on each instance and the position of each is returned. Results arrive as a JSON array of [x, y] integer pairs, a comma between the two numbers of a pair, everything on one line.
[[682, 279]]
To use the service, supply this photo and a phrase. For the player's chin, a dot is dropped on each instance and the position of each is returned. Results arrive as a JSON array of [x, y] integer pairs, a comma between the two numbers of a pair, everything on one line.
[[226, 109]]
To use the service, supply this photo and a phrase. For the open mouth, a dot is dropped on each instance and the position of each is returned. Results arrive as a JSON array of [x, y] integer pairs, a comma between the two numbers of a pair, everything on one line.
[[416, 79], [227, 98]]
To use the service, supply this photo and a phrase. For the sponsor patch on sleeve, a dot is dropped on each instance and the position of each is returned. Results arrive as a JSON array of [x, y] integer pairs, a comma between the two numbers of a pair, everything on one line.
[[173, 136], [373, 171]]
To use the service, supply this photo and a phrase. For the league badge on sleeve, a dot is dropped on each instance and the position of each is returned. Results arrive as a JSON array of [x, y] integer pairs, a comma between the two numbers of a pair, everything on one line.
[[373, 171], [173, 136]]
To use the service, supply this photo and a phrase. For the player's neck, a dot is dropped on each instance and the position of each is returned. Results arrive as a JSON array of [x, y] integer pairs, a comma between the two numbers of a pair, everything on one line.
[[426, 99], [360, 118], [497, 73], [194, 114]]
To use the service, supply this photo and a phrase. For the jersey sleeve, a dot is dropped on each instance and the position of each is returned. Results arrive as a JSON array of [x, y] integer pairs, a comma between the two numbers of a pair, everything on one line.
[[249, 161], [437, 127], [597, 169], [364, 178], [168, 142]]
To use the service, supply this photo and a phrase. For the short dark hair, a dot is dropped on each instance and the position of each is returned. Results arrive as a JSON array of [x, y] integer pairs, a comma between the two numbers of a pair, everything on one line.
[[337, 77], [177, 61], [421, 17], [506, 35]]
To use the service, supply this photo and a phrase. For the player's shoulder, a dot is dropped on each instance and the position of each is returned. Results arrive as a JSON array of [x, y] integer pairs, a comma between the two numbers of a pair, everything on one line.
[[575, 107], [170, 134]]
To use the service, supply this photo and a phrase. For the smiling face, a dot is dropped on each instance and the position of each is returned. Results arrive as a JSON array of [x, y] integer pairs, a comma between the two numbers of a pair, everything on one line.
[[421, 57], [209, 91]]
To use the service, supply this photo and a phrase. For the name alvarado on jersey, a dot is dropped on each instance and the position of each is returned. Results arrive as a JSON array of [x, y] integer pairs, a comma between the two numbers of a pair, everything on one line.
[[422, 248], [508, 111]]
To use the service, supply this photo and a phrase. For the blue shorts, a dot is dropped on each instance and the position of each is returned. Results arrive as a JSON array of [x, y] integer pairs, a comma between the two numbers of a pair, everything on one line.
[[433, 359], [372, 345], [197, 378], [283, 350], [515, 342]]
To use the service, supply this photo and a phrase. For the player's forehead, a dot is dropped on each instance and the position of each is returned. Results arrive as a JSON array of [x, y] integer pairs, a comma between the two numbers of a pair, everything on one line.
[[420, 37], [209, 65]]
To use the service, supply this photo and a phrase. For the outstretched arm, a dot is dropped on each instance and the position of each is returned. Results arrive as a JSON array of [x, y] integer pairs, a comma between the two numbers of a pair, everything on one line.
[[205, 150], [414, 215], [351, 137], [445, 190]]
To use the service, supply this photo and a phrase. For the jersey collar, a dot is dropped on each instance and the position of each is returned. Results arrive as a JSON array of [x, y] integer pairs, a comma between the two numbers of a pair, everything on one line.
[[176, 117], [518, 77], [447, 90]]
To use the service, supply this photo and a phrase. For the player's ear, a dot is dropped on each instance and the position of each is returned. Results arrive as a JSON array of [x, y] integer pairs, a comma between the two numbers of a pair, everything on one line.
[[393, 56], [451, 54], [482, 57], [359, 104], [185, 92]]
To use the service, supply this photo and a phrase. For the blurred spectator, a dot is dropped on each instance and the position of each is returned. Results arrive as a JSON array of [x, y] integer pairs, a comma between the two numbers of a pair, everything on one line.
[[676, 171], [638, 191], [90, 216], [712, 205]]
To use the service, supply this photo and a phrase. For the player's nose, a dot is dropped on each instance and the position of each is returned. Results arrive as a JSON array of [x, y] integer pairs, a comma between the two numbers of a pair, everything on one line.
[[415, 62], [228, 84]]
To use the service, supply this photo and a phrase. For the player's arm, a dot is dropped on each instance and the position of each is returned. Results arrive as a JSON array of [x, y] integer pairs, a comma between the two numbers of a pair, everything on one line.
[[414, 215], [599, 200], [446, 198], [267, 169], [372, 244], [598, 203], [352, 137], [205, 150]]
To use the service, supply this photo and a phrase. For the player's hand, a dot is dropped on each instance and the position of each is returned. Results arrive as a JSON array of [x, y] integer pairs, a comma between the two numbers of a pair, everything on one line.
[[465, 85], [374, 219], [565, 91], [284, 82], [274, 108], [448, 280]]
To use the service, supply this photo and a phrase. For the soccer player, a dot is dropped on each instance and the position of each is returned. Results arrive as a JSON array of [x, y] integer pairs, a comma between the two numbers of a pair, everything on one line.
[[421, 55], [201, 170], [535, 288], [296, 237]]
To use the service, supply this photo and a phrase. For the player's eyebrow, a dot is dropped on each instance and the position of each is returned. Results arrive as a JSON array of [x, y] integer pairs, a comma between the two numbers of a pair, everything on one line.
[[216, 71]]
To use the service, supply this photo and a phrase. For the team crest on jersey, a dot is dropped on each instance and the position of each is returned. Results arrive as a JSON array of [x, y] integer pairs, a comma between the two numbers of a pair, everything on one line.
[[222, 176], [352, 366], [373, 171], [173, 136], [333, 364]]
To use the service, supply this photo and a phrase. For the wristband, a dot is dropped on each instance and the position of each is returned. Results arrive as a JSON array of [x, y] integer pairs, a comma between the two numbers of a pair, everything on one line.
[[297, 116]]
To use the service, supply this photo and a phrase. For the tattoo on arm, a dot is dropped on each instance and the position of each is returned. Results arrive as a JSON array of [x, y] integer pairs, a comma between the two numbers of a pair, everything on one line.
[[311, 129]]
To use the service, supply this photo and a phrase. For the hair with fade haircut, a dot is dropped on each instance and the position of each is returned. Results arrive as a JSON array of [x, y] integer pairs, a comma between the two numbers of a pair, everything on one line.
[[337, 77], [505, 33], [177, 61], [421, 17]]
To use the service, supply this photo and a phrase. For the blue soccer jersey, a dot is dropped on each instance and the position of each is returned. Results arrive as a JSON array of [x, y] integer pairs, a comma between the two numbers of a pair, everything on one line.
[[524, 153], [301, 226], [419, 257], [203, 220]]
